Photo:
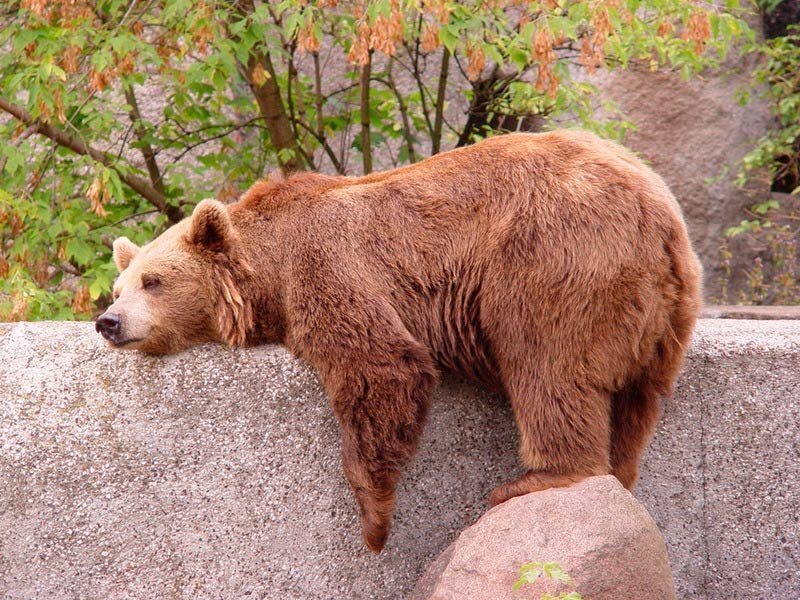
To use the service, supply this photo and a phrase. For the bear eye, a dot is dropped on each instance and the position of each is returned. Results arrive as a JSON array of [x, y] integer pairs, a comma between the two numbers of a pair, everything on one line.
[[150, 282]]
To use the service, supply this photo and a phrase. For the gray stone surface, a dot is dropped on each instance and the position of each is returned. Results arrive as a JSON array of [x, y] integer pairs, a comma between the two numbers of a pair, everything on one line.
[[721, 477], [596, 531], [210, 474], [216, 473]]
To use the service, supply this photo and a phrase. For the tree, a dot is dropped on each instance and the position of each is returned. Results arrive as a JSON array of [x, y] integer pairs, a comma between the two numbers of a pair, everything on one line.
[[121, 114]]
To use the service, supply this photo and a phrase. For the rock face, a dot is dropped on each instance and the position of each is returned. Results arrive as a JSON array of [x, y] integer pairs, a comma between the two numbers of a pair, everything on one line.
[[595, 530], [694, 134], [211, 474]]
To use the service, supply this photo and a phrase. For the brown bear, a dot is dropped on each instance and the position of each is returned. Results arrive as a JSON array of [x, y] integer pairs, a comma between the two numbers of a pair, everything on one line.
[[554, 268]]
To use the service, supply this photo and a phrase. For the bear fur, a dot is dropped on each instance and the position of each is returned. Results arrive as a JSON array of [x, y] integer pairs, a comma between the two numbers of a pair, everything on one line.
[[554, 268]]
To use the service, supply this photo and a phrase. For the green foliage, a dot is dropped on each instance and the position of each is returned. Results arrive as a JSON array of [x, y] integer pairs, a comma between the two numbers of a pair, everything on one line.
[[779, 150], [773, 276], [118, 116], [531, 572], [775, 162]]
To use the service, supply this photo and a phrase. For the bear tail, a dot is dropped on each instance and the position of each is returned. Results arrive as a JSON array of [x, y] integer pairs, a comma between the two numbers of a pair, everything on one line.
[[635, 407]]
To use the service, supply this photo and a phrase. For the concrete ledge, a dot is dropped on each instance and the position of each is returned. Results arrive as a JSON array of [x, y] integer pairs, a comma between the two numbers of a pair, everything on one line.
[[745, 311], [216, 473]]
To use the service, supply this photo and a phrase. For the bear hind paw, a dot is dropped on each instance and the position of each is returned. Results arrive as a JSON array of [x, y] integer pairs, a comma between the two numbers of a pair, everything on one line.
[[532, 481]]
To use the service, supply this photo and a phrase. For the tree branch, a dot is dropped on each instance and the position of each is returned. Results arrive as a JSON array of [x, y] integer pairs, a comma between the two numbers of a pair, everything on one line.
[[138, 184], [366, 147], [417, 75], [403, 110], [484, 93], [234, 127], [291, 77], [436, 136], [337, 164], [144, 145], [318, 96]]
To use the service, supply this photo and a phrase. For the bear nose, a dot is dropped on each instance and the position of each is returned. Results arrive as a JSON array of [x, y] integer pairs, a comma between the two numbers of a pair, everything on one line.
[[108, 324]]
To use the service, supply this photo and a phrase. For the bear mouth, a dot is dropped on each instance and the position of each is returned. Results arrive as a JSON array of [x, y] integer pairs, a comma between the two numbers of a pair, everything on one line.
[[122, 343]]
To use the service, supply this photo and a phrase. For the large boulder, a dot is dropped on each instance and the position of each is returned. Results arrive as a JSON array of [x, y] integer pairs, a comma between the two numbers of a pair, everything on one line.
[[595, 531]]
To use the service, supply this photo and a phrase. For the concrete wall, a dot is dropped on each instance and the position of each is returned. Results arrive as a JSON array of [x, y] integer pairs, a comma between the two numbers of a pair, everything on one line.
[[216, 473]]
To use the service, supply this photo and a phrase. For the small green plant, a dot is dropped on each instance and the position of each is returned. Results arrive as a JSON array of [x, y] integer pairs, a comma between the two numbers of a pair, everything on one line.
[[531, 572], [774, 274]]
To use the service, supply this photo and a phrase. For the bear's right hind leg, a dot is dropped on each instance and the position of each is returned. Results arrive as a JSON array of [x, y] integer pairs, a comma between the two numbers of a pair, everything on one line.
[[565, 435], [381, 409]]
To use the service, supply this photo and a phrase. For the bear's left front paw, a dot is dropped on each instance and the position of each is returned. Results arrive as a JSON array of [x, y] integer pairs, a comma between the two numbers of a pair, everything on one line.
[[375, 533], [376, 517]]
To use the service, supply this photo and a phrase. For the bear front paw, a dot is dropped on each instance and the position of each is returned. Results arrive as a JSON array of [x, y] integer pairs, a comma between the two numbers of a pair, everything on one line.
[[375, 533], [501, 494], [376, 517]]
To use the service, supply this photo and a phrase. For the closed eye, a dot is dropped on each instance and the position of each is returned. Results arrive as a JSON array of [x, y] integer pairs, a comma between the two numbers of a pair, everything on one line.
[[150, 282]]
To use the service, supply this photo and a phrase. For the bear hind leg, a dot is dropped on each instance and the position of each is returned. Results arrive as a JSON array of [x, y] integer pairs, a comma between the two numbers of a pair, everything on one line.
[[378, 379], [530, 482], [565, 437], [634, 412], [381, 419]]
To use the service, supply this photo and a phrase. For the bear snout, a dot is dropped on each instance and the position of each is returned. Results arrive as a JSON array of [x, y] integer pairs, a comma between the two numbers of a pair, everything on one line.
[[108, 325]]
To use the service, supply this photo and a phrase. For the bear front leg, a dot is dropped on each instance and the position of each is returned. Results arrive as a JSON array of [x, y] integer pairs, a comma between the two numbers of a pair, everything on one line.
[[381, 406], [379, 388]]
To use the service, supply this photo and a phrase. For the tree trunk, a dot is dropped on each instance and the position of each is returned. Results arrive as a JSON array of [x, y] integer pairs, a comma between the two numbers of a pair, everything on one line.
[[147, 150], [366, 141], [270, 105], [436, 138]]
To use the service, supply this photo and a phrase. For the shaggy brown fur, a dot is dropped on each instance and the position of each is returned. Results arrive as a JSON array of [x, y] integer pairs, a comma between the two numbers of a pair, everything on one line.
[[554, 268]]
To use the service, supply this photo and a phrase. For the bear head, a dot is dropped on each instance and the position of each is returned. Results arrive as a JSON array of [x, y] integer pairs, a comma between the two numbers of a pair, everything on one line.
[[181, 289]]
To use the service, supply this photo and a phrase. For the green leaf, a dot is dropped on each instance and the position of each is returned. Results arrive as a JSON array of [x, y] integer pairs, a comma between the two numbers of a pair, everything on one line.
[[554, 571], [763, 207], [448, 35], [79, 250], [96, 288], [528, 573], [519, 57]]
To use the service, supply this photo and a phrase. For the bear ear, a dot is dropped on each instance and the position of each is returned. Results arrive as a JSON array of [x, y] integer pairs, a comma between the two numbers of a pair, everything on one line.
[[276, 177], [124, 252], [211, 226]]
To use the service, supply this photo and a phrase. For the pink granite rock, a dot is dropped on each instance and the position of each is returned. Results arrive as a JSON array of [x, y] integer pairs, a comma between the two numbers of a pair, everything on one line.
[[595, 530]]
